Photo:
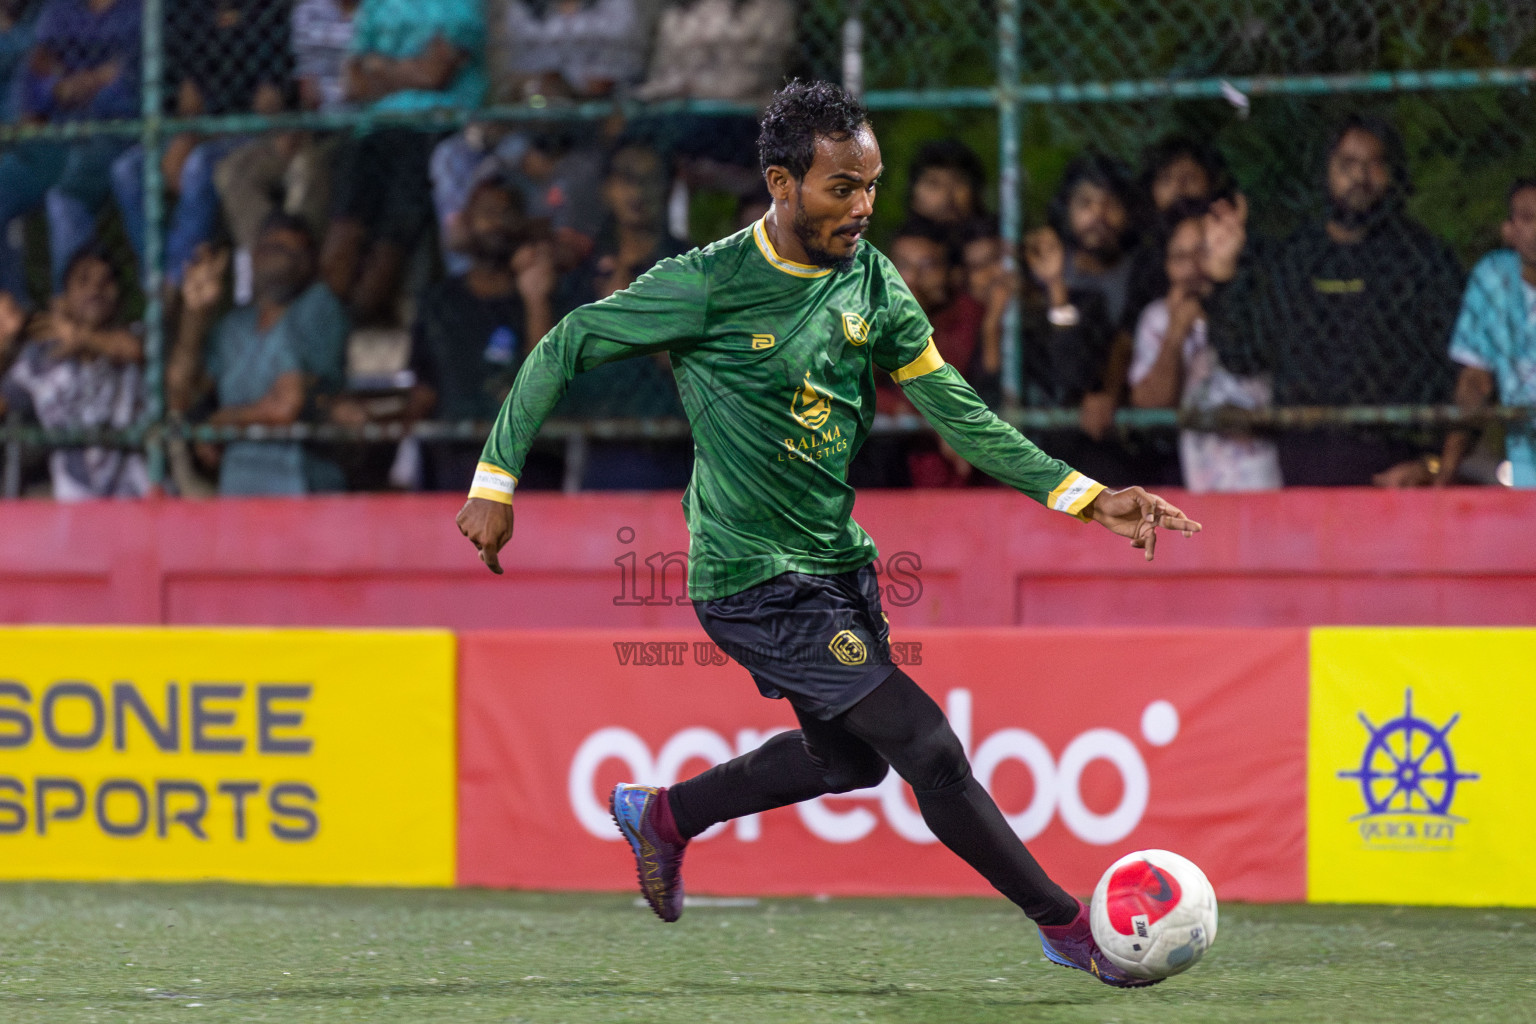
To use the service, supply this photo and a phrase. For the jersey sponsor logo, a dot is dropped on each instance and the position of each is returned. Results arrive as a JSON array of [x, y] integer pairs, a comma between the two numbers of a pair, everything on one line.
[[760, 341], [855, 329], [847, 648], [816, 445], [810, 405]]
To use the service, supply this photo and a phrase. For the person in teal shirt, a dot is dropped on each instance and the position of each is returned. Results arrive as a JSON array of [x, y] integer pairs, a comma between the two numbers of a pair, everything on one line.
[[270, 363], [418, 54], [407, 55], [1495, 339]]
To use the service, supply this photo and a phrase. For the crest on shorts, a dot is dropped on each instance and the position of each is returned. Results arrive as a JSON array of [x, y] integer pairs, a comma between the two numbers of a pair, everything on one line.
[[847, 648], [810, 405], [855, 329]]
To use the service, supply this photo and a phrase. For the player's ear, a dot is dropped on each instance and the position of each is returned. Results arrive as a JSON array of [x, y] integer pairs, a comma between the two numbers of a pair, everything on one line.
[[1507, 231], [780, 183]]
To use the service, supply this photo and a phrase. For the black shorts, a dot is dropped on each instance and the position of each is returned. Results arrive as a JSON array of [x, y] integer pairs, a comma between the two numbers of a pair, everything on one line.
[[820, 641]]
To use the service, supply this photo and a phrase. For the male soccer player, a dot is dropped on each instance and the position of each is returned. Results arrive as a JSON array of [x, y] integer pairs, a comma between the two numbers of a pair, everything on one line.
[[775, 334]]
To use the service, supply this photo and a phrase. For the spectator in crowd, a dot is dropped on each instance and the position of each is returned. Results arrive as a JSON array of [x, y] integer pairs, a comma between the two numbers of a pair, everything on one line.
[[921, 253], [83, 65], [1174, 365], [992, 286], [1091, 213], [577, 49], [223, 57], [473, 330], [271, 363], [1494, 341], [558, 175], [946, 186], [480, 151], [17, 20], [981, 257], [291, 170], [634, 235], [633, 239], [407, 55], [1067, 334], [81, 370], [1172, 169], [13, 323], [720, 50], [731, 50], [1355, 310]]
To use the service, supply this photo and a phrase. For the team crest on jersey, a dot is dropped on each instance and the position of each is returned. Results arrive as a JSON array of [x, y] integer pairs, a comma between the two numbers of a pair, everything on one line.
[[847, 648], [855, 329], [810, 405]]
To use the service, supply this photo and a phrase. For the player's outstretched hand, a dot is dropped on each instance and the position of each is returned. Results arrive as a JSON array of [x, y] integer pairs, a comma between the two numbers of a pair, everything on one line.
[[1134, 513], [488, 525]]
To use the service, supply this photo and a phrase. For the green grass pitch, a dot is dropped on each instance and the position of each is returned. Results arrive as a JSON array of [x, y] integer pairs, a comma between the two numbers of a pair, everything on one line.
[[147, 953]]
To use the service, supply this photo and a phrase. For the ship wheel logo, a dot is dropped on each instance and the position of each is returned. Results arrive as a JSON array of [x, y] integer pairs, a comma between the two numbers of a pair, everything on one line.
[[1408, 766]]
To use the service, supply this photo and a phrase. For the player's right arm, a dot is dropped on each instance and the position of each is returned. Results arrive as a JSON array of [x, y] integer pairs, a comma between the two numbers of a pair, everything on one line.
[[664, 310]]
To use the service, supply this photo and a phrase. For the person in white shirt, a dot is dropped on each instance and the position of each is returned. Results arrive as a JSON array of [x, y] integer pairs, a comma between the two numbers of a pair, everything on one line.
[[1173, 364]]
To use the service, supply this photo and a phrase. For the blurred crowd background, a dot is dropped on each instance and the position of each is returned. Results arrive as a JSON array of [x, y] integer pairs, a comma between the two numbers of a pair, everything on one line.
[[358, 217]]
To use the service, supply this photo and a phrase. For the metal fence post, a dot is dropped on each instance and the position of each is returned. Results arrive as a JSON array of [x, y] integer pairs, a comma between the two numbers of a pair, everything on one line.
[[154, 235], [1009, 182], [853, 49]]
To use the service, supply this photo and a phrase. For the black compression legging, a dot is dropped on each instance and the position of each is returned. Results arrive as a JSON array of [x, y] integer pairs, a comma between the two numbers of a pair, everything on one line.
[[900, 726]]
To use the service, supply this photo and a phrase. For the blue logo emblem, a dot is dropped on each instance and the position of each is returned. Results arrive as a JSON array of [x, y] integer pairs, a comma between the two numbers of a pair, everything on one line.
[[1408, 779]]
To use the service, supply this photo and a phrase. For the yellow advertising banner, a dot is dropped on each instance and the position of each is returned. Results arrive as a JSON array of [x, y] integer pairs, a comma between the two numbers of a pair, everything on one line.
[[241, 754], [1420, 766]]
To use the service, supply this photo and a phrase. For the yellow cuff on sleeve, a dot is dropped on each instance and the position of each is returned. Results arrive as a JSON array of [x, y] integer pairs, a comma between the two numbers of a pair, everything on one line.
[[1074, 494], [929, 361], [493, 484]]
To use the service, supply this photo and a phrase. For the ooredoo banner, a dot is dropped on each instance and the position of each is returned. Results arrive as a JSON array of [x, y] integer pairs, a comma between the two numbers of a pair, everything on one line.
[[249, 755], [1095, 743], [1420, 766]]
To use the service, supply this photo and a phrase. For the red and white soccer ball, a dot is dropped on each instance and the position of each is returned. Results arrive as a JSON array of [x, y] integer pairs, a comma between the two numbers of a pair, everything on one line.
[[1153, 914]]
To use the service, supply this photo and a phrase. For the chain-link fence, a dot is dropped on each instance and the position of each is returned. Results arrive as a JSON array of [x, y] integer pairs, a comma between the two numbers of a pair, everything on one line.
[[157, 131]]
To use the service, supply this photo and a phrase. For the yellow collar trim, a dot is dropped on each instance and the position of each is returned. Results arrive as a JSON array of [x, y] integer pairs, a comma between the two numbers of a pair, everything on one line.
[[765, 246]]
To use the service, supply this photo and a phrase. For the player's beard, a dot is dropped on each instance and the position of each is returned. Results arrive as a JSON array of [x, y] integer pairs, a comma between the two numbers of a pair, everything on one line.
[[806, 233]]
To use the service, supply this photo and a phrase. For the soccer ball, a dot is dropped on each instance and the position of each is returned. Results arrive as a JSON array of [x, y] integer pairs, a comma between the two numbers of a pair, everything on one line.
[[1153, 914]]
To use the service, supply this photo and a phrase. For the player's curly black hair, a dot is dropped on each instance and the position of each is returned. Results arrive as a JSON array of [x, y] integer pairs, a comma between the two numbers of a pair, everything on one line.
[[798, 115]]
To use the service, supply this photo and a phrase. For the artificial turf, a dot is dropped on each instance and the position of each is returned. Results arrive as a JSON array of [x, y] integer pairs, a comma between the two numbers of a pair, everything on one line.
[[82, 953]]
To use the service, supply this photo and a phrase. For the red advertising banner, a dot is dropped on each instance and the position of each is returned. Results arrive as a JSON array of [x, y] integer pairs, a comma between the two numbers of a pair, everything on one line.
[[1094, 742]]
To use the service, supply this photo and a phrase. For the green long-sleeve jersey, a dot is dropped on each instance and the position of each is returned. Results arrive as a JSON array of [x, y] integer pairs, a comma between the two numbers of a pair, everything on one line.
[[775, 364]]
